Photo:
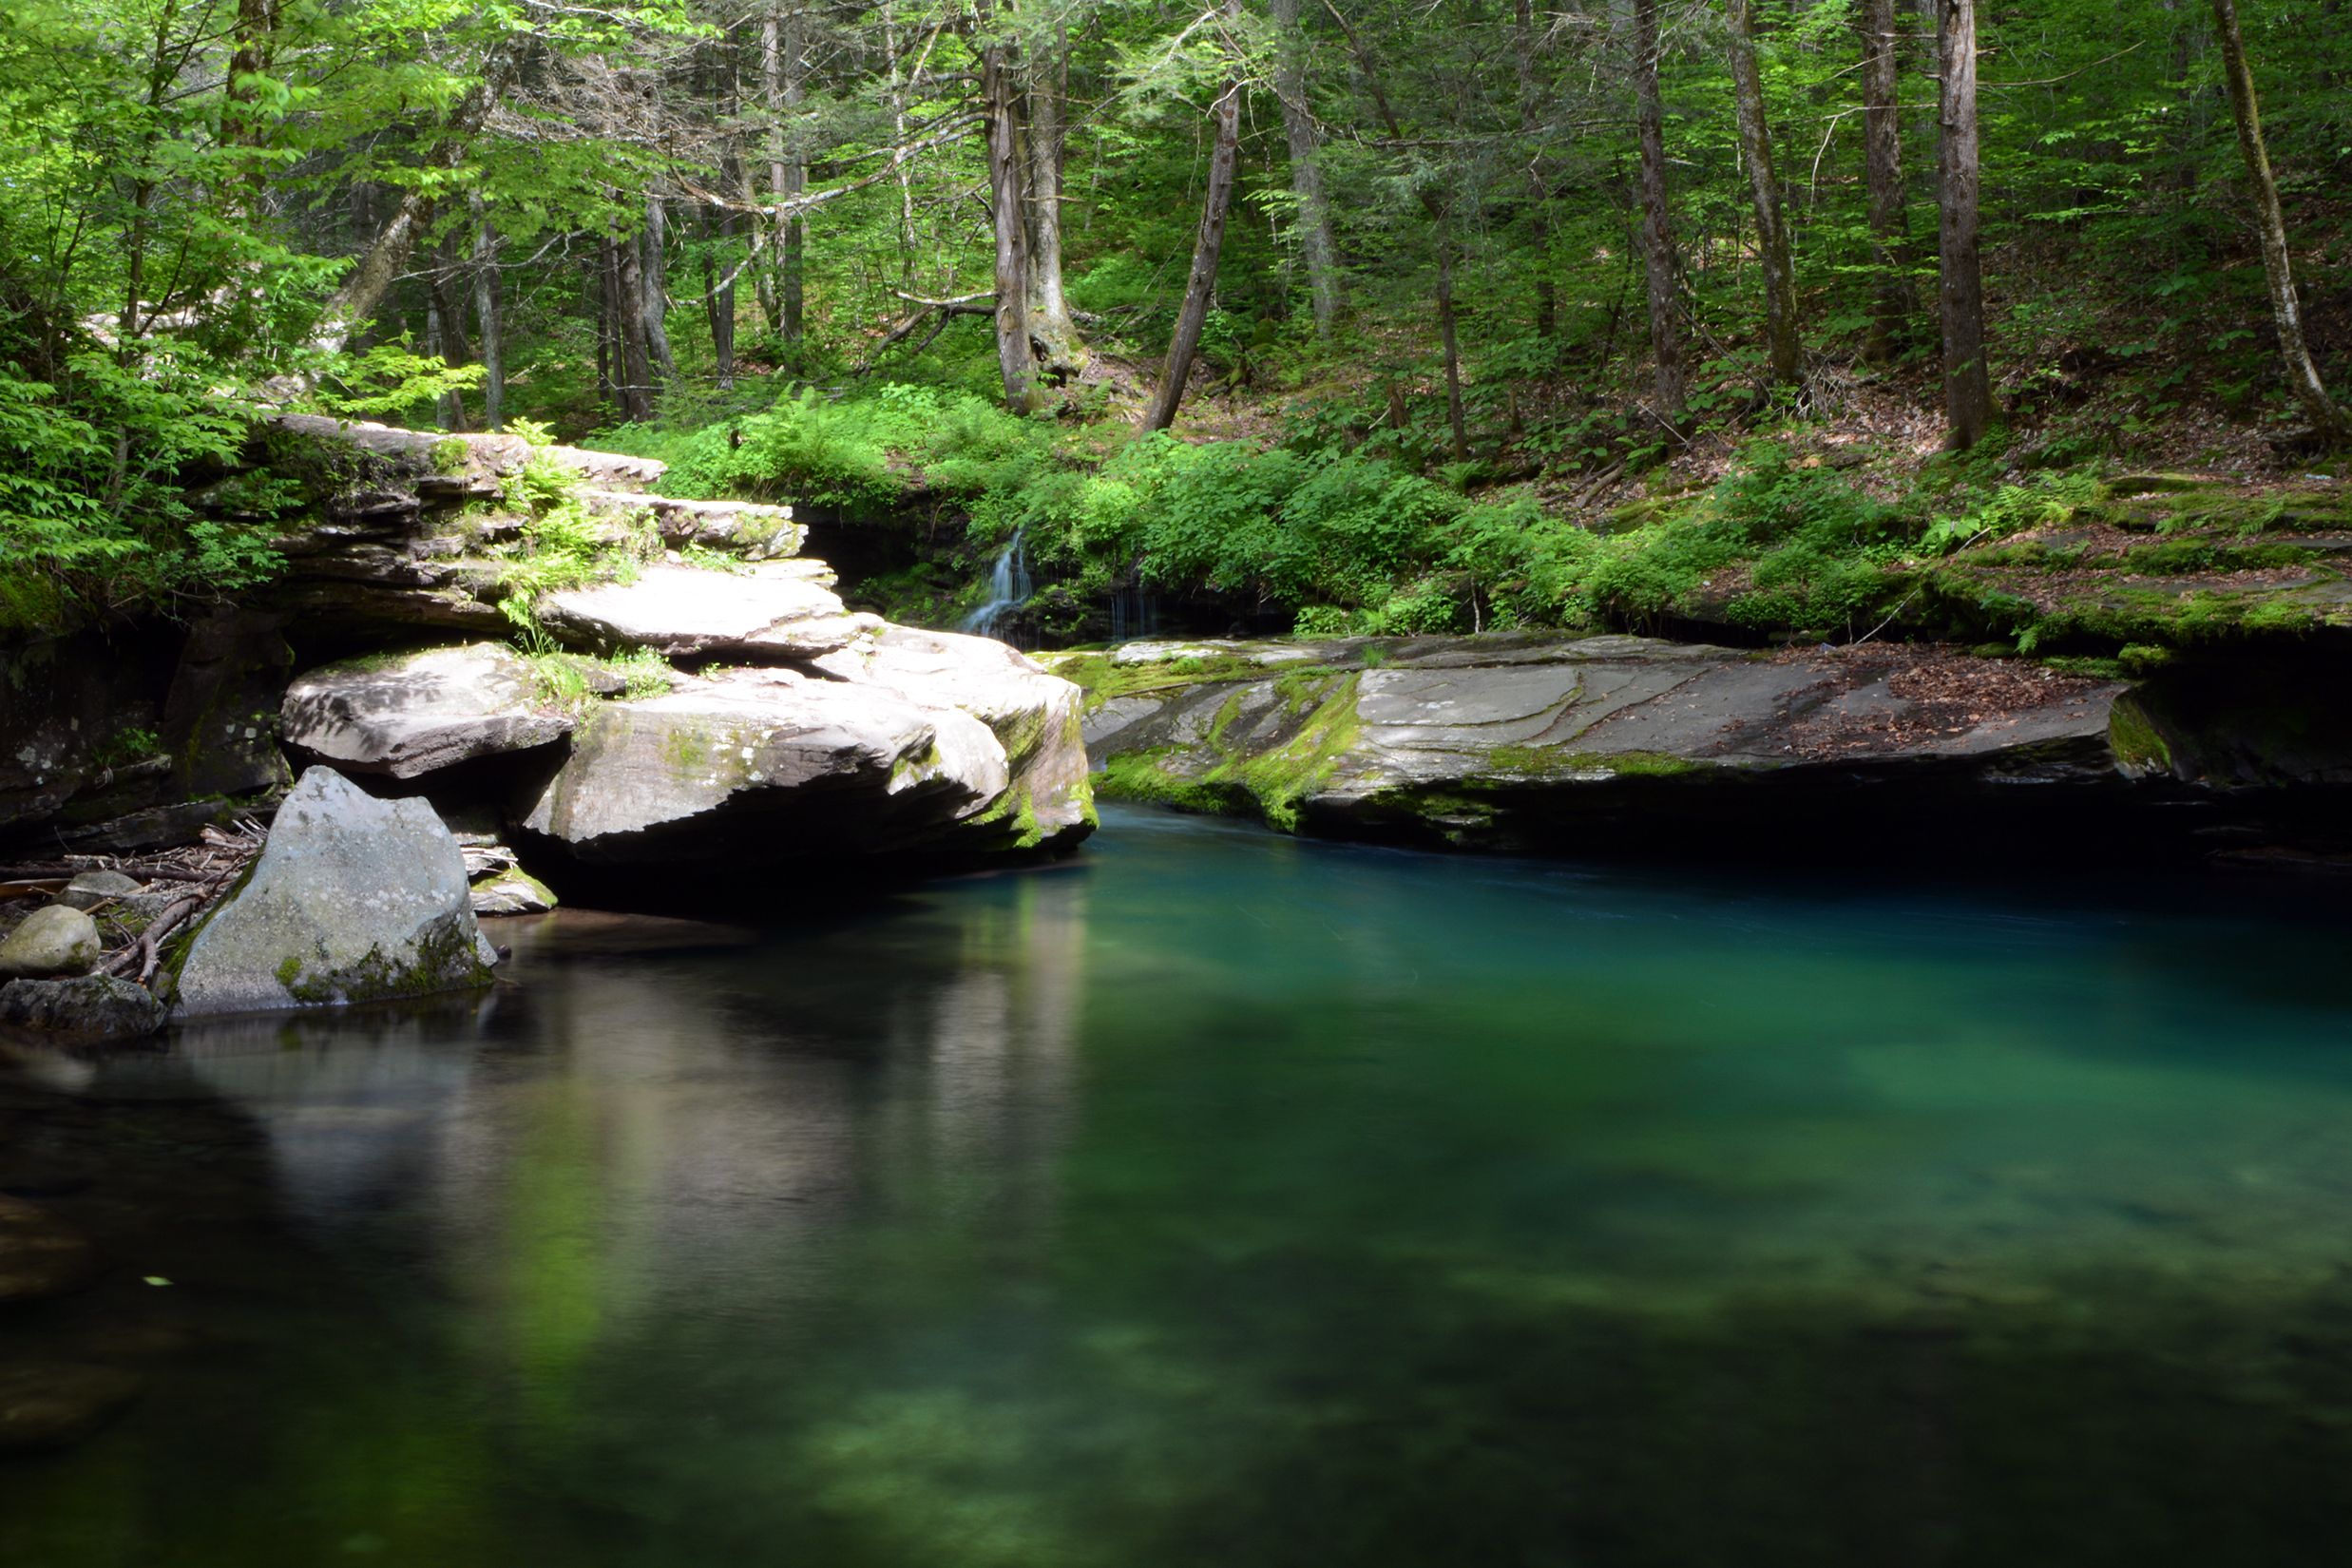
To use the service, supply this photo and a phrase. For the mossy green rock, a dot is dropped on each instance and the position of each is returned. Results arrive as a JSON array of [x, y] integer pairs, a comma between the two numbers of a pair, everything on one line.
[[57, 940], [355, 899], [1513, 740]]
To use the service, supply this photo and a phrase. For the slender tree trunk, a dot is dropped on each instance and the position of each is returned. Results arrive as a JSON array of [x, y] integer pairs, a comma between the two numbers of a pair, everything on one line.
[[628, 314], [1200, 286], [999, 95], [356, 300], [2302, 374], [779, 175], [1531, 105], [445, 318], [1755, 137], [1062, 350], [1316, 248], [794, 238], [599, 301], [1881, 127], [655, 306], [489, 318], [1967, 381], [898, 126], [1657, 235]]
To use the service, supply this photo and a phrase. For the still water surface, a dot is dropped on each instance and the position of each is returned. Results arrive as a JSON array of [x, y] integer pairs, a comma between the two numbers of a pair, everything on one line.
[[1223, 1199]]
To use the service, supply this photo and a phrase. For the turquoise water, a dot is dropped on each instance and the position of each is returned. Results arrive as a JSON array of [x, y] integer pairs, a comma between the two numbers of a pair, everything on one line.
[[1222, 1198]]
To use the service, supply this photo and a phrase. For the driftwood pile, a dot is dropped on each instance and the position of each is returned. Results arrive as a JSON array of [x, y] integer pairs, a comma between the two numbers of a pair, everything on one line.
[[199, 873]]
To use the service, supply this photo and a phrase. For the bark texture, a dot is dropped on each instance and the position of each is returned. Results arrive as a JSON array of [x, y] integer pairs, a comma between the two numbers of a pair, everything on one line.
[[1001, 112], [1200, 285], [1772, 246], [1891, 304], [1061, 351], [1657, 235], [1317, 250], [1967, 381], [2302, 374]]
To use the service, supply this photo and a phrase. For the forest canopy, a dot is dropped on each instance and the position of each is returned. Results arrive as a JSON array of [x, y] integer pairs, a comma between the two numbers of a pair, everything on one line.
[[1436, 272]]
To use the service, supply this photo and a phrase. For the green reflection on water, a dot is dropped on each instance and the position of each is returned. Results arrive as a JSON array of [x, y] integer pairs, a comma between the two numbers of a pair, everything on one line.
[[1227, 1198]]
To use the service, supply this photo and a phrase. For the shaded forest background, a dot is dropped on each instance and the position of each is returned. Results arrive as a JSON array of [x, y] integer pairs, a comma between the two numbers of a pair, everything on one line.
[[1463, 312]]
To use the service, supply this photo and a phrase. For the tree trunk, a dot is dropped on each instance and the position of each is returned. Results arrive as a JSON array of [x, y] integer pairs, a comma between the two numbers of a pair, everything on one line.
[[445, 324], [794, 238], [489, 318], [779, 175], [356, 300], [1882, 128], [635, 387], [599, 301], [999, 97], [653, 319], [1316, 247], [1061, 352], [2303, 375], [1755, 137], [1202, 284], [1531, 102], [1967, 381], [1658, 236]]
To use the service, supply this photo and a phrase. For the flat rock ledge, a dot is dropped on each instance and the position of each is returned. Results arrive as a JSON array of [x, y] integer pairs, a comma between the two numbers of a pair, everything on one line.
[[407, 715], [1581, 744]]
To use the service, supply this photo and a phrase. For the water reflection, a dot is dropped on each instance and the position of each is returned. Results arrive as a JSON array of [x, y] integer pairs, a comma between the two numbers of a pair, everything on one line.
[[1227, 1198]]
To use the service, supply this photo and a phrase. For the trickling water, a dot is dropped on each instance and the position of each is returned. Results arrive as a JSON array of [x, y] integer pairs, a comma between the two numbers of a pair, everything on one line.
[[1009, 590], [1134, 613]]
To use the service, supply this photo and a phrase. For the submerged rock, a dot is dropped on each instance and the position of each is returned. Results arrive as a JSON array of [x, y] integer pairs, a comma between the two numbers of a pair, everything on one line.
[[40, 1255], [87, 1007], [411, 714], [44, 1407], [55, 940], [353, 899]]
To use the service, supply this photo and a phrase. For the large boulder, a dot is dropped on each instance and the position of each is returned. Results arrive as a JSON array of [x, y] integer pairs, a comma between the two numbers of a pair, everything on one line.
[[776, 609], [764, 765], [403, 714], [56, 940], [1035, 717], [353, 899], [1603, 742], [85, 1007]]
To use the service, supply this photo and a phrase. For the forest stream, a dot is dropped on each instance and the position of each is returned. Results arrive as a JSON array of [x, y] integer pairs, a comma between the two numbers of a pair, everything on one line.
[[1219, 1197]]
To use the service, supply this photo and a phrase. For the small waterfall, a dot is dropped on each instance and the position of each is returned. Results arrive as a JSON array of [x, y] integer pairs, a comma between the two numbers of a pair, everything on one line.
[[1009, 590]]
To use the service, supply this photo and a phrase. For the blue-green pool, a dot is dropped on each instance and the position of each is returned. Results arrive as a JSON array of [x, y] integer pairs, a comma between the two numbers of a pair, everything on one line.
[[1219, 1198]]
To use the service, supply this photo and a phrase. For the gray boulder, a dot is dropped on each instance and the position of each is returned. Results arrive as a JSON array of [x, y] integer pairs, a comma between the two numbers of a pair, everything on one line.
[[353, 899], [55, 940], [89, 889], [1035, 718], [87, 1007], [764, 765], [512, 891], [412, 713], [1515, 741], [777, 609]]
